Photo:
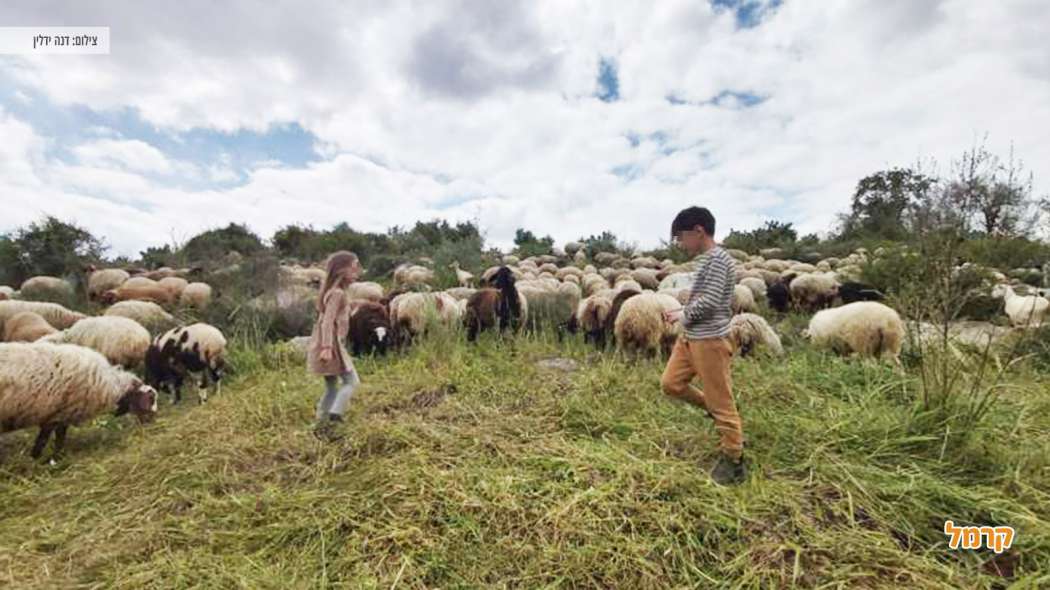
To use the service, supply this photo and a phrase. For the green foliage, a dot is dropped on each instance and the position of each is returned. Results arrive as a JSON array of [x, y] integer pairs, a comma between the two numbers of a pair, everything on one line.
[[49, 247], [1006, 253], [882, 201], [772, 234], [214, 244], [527, 244], [156, 257]]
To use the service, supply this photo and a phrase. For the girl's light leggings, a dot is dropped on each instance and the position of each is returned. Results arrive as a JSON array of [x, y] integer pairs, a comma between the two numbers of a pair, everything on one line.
[[336, 398]]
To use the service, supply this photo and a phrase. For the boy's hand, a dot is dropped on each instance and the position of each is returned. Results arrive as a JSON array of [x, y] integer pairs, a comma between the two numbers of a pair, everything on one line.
[[673, 316]]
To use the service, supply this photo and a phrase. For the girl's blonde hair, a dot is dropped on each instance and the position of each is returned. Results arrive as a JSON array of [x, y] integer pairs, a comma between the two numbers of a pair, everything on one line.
[[337, 263]]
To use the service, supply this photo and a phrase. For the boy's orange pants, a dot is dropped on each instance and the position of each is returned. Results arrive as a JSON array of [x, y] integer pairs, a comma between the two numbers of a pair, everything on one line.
[[709, 359]]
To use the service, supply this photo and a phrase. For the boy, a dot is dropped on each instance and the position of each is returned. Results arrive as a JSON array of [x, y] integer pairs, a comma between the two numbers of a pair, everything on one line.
[[704, 349]]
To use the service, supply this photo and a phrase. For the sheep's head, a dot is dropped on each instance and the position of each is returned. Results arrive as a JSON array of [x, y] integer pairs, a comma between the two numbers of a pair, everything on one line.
[[108, 297], [141, 400], [503, 278]]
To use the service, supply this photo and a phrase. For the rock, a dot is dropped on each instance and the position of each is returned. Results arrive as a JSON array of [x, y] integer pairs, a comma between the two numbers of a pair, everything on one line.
[[558, 364]]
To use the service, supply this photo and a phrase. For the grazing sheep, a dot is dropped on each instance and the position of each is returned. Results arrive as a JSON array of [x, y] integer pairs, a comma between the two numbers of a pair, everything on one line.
[[412, 275], [58, 316], [743, 300], [161, 273], [852, 291], [579, 258], [461, 293], [640, 325], [757, 286], [121, 340], [26, 327], [47, 289], [411, 314], [646, 277], [866, 328], [502, 307], [197, 295], [618, 299], [748, 331], [366, 290], [57, 386], [150, 315], [628, 285], [369, 331], [645, 262], [592, 283], [197, 348], [813, 291], [553, 304], [100, 281], [157, 294], [605, 258], [779, 296], [174, 286], [563, 274], [136, 283], [591, 318], [1024, 310]]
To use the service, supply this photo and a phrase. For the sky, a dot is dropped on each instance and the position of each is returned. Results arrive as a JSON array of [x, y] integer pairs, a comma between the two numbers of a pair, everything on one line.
[[566, 118]]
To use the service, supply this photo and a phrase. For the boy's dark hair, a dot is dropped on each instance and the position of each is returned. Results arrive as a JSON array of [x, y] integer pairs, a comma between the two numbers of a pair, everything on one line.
[[691, 217]]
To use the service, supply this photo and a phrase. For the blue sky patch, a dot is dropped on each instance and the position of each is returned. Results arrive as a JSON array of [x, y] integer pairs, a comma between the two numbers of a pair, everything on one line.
[[608, 81], [749, 13]]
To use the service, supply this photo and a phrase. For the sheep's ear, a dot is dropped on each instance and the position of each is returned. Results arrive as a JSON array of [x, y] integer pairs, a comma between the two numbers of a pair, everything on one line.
[[123, 404]]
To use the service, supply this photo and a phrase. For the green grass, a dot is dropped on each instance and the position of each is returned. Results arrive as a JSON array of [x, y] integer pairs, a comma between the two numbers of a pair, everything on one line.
[[472, 467]]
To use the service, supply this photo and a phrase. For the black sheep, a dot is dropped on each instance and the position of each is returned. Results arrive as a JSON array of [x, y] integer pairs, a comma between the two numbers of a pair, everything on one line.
[[369, 330], [851, 291]]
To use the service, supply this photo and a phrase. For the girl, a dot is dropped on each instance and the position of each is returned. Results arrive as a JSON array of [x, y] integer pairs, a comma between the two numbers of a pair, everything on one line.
[[326, 354]]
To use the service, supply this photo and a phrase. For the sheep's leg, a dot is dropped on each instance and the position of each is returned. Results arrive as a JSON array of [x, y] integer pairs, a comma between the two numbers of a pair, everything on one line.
[[203, 387], [41, 440], [60, 440]]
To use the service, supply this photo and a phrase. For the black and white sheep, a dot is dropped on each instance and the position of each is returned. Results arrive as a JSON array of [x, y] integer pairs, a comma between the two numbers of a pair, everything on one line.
[[197, 348], [369, 330], [55, 386]]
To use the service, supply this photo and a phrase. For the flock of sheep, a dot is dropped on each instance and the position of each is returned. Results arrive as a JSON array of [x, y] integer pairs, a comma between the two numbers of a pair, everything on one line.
[[59, 367]]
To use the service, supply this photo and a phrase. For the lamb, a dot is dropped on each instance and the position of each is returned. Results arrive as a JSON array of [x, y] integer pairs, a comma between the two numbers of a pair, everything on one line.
[[157, 294], [814, 291], [58, 316], [26, 327], [866, 328], [640, 324], [197, 348], [1024, 310], [150, 315], [47, 289], [57, 386], [196, 295], [369, 330], [502, 307], [743, 300], [100, 281], [121, 340], [748, 331]]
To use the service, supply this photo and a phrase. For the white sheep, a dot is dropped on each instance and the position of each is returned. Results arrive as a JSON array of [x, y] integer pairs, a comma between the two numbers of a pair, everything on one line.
[[197, 295], [173, 285], [179, 352], [121, 340], [591, 316], [747, 331], [743, 300], [47, 289], [813, 291], [866, 328], [58, 316], [365, 290], [757, 286], [464, 278], [6, 293], [645, 277], [26, 327], [640, 325], [150, 315], [411, 314], [1024, 310], [55, 386], [100, 281], [137, 283]]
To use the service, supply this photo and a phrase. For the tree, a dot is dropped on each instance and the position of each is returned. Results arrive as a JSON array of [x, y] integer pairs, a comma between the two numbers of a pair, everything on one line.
[[50, 247], [998, 196], [882, 203], [216, 243], [527, 244], [772, 234]]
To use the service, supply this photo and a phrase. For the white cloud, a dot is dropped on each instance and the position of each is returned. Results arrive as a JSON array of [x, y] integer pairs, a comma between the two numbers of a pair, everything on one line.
[[493, 109]]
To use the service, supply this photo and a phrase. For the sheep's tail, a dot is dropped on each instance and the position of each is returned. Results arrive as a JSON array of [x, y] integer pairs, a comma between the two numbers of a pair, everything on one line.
[[879, 343]]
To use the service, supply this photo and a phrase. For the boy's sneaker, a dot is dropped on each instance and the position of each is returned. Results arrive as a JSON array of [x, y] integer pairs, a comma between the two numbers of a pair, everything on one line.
[[328, 428], [728, 471]]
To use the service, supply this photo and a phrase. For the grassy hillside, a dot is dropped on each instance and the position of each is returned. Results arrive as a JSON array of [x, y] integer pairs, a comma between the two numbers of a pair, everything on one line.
[[471, 467]]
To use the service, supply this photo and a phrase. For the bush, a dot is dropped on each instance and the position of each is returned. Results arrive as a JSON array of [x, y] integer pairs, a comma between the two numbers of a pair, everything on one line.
[[1006, 253]]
